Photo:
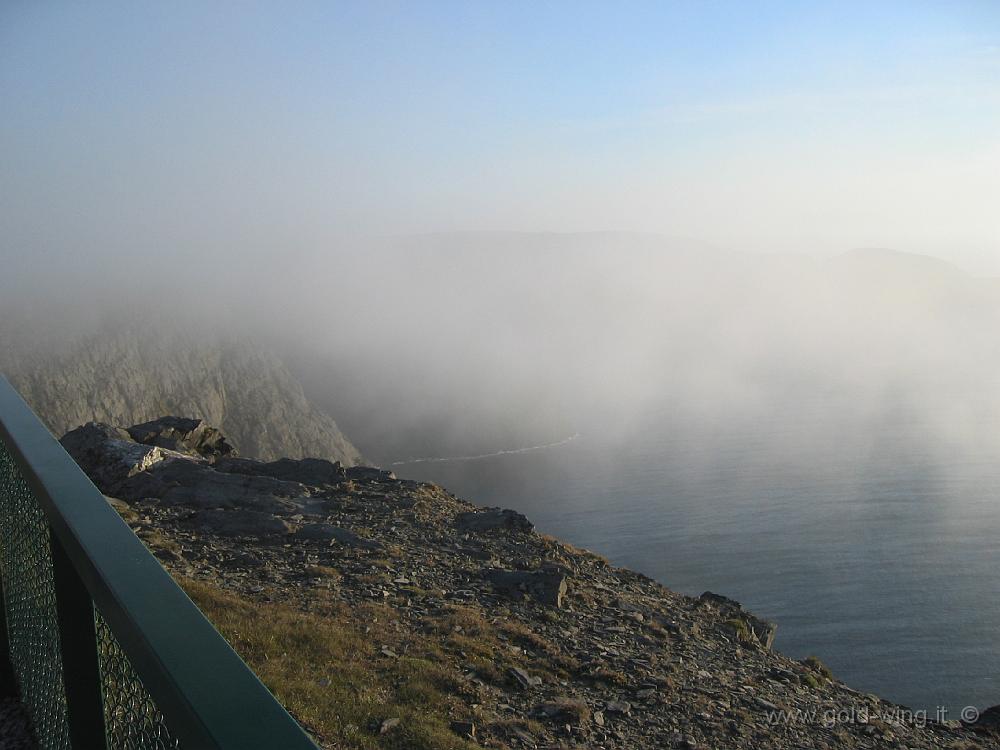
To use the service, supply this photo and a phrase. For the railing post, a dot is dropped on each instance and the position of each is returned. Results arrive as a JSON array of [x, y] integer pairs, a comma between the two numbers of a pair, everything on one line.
[[78, 642], [8, 681]]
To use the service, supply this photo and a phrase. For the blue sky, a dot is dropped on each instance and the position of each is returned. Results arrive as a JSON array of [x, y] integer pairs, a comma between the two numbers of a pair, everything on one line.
[[768, 126]]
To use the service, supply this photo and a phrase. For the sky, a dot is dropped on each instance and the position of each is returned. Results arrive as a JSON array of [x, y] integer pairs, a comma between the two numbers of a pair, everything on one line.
[[164, 133]]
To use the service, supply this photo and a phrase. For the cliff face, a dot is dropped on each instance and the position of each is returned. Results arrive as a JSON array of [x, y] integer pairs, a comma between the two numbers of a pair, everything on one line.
[[136, 375]]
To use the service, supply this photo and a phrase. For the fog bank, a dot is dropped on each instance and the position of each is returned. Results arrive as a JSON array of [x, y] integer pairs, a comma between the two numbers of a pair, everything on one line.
[[467, 343]]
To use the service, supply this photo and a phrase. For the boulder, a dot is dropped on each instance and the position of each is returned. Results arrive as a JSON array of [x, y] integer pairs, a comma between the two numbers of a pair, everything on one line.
[[135, 464], [198, 485], [388, 725], [987, 720], [183, 435], [109, 456], [618, 707], [214, 489], [464, 728], [565, 710], [544, 586], [369, 474], [312, 471], [234, 465], [491, 519], [524, 678]]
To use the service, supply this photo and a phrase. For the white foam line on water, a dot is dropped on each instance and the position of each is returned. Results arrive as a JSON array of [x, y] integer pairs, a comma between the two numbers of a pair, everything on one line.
[[511, 452]]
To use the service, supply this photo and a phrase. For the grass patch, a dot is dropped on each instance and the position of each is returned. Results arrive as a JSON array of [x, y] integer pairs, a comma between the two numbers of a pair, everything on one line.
[[551, 656], [740, 629], [817, 666], [159, 544], [457, 619], [330, 674], [608, 676], [323, 571]]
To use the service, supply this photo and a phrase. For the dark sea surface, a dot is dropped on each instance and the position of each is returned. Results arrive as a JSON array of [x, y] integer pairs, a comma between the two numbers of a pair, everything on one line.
[[875, 547]]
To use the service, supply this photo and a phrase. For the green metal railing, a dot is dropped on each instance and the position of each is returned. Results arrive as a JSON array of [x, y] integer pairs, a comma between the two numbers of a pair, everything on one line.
[[105, 650]]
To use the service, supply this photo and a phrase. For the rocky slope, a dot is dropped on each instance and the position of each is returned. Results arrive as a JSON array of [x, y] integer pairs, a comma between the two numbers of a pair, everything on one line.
[[135, 374], [539, 644]]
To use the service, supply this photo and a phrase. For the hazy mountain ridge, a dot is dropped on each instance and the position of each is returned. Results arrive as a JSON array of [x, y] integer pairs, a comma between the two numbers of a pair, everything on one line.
[[515, 339], [135, 374]]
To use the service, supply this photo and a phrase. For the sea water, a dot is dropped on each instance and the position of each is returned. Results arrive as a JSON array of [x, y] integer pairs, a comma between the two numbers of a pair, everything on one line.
[[873, 546]]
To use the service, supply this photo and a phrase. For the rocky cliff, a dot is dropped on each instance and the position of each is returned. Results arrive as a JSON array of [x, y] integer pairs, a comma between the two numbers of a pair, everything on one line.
[[138, 373], [388, 613]]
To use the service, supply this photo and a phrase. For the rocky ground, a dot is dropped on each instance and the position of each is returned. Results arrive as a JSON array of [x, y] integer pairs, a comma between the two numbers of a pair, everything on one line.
[[15, 726], [549, 645]]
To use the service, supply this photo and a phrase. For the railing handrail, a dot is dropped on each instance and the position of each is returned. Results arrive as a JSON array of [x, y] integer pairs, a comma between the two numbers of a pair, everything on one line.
[[209, 697]]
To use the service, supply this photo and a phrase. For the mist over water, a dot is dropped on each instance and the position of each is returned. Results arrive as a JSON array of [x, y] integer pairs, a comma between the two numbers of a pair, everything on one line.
[[816, 437]]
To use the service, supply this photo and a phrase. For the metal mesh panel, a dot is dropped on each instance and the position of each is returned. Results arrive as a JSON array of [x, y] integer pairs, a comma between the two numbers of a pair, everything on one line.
[[30, 602], [61, 648], [131, 718], [132, 721]]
